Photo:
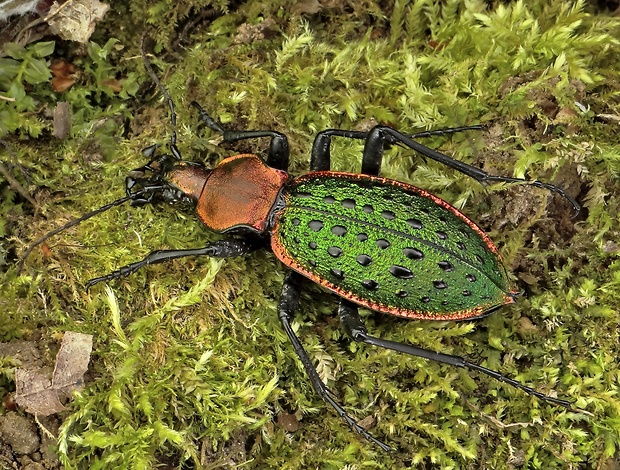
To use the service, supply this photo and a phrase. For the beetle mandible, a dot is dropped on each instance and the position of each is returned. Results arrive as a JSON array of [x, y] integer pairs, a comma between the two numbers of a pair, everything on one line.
[[375, 242]]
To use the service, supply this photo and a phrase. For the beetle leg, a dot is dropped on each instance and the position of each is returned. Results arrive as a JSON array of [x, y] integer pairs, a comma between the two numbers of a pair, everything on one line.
[[356, 329], [286, 307], [380, 136], [321, 156], [220, 249], [278, 155]]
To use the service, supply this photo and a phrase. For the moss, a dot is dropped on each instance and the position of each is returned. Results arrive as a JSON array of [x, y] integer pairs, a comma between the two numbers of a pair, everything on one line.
[[190, 365]]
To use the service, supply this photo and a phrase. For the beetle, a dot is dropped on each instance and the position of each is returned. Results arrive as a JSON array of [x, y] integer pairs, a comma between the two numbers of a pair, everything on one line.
[[375, 242]]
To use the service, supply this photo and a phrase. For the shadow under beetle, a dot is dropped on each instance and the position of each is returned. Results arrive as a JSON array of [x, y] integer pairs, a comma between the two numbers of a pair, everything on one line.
[[375, 242]]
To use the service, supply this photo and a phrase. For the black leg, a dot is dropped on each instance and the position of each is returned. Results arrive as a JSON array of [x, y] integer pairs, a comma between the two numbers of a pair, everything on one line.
[[221, 249], [286, 307], [320, 157], [380, 136], [278, 155], [356, 329]]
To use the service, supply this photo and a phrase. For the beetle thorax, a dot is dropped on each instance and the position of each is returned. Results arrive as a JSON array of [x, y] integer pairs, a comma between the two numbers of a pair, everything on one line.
[[239, 195]]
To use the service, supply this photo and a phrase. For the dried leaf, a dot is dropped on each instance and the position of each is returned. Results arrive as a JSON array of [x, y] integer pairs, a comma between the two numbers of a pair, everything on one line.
[[75, 19], [72, 360], [60, 84], [64, 75], [34, 390], [62, 68]]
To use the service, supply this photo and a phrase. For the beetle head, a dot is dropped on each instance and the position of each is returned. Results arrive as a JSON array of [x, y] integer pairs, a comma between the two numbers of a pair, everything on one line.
[[166, 178]]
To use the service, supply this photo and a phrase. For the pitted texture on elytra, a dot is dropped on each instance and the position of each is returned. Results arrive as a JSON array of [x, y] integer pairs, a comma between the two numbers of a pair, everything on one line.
[[380, 242]]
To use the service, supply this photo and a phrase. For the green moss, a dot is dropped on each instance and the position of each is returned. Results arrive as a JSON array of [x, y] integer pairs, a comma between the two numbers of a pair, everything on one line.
[[190, 363]]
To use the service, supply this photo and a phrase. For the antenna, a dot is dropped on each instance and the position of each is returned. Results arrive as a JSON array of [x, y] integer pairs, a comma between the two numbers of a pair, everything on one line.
[[73, 223]]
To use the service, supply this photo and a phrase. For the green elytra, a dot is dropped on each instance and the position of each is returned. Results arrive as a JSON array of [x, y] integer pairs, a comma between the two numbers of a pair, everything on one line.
[[389, 246]]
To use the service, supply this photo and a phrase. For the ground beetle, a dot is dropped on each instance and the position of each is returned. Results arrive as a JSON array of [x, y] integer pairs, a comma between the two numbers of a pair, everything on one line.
[[375, 242]]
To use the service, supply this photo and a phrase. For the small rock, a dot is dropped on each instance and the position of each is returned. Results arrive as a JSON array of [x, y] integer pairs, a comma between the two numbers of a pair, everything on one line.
[[368, 422], [289, 422], [19, 432], [33, 466]]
